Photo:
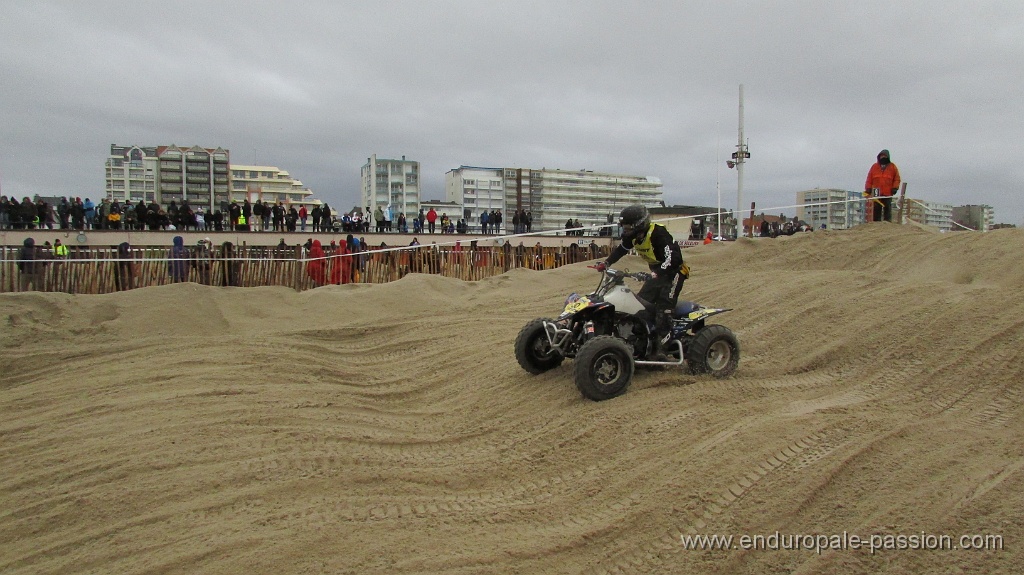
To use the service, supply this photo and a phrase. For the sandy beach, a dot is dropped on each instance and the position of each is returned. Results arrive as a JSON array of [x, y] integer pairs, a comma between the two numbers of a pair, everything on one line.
[[388, 428]]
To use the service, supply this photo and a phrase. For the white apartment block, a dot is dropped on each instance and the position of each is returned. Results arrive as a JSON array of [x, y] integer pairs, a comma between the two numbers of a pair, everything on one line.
[[391, 183], [478, 190], [268, 183], [131, 174], [928, 213], [163, 174], [198, 175], [837, 209], [202, 176], [551, 196]]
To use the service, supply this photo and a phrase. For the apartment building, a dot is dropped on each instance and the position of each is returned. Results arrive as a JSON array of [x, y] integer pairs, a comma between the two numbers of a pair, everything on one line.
[[268, 183], [552, 196], [477, 190], [203, 176], [928, 213], [973, 217], [165, 174], [394, 183], [131, 174], [836, 209]]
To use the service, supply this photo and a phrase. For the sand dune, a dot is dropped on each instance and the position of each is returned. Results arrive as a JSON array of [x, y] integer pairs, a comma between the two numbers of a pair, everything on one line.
[[389, 429]]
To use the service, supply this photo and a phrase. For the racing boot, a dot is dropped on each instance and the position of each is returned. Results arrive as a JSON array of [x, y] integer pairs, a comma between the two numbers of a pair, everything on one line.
[[660, 336]]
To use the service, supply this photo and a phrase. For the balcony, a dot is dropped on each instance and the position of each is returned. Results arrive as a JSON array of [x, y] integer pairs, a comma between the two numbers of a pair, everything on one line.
[[170, 178], [193, 167], [198, 179], [170, 166]]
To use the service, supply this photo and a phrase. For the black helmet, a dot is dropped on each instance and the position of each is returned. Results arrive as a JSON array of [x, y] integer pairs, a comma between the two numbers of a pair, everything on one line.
[[635, 220]]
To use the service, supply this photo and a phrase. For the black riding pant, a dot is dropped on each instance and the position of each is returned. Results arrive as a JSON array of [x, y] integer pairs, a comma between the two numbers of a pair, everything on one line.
[[662, 293], [882, 209]]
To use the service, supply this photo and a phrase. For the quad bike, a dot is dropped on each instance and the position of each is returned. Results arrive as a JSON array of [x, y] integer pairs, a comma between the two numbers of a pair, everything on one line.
[[609, 332]]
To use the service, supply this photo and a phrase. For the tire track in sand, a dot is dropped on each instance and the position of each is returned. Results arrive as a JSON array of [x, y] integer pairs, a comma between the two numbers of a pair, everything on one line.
[[654, 553]]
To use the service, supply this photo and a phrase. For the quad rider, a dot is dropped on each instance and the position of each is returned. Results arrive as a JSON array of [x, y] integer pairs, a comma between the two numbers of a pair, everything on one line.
[[655, 244]]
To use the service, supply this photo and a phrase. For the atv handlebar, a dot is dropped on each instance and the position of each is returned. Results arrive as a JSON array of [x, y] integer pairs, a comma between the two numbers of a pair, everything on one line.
[[614, 273]]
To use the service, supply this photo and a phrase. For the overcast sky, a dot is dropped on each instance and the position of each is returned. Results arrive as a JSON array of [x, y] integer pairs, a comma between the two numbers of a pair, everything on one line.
[[643, 88]]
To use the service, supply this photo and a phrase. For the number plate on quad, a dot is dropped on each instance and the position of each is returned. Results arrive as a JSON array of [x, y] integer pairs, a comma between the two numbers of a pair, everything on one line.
[[573, 304]]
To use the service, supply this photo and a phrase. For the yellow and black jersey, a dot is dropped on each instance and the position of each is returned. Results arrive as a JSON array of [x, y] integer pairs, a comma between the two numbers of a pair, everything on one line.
[[657, 247]]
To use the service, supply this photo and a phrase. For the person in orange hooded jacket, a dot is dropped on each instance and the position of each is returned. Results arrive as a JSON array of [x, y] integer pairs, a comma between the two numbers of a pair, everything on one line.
[[884, 177]]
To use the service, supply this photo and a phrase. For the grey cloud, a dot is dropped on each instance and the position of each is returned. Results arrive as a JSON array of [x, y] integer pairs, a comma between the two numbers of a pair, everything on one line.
[[647, 88]]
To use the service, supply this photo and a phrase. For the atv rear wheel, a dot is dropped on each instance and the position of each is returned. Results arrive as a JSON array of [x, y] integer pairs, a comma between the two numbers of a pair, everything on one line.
[[714, 350], [603, 368], [533, 348]]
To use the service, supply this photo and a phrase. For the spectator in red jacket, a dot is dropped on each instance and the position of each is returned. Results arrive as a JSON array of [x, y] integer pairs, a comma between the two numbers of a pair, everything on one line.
[[316, 267], [342, 272], [885, 178], [431, 219]]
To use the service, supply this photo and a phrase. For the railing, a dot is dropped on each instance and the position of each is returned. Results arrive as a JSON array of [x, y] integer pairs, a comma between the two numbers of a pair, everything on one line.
[[92, 270]]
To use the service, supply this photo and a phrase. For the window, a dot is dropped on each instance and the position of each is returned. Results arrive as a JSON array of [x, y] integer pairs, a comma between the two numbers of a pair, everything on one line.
[[254, 175]]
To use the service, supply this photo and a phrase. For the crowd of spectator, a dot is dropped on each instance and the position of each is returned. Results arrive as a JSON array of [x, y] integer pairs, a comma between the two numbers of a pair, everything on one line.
[[78, 214], [573, 227], [785, 228]]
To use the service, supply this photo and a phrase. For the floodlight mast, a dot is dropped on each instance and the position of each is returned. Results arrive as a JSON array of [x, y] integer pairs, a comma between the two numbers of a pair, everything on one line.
[[739, 158]]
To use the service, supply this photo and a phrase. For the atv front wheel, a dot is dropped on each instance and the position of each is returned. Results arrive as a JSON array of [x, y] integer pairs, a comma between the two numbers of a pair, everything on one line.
[[714, 350], [533, 348], [603, 368]]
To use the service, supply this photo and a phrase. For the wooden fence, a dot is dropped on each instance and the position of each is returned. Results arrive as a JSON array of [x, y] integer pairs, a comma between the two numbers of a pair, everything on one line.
[[93, 270]]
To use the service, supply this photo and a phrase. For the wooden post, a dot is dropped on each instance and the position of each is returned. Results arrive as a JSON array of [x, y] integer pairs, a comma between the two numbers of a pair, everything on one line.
[[903, 200]]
